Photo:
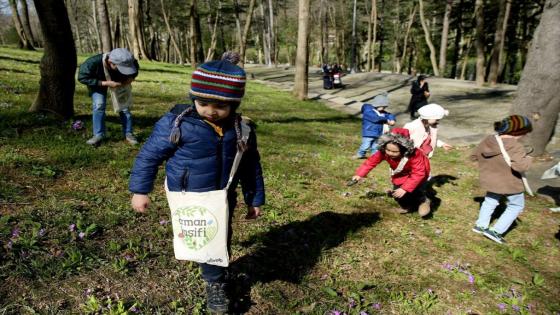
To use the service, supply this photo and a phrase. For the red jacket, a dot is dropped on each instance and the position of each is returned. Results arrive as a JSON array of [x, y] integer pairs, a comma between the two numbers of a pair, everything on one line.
[[415, 172]]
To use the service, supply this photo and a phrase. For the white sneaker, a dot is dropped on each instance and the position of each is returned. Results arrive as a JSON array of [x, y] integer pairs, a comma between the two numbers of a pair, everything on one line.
[[131, 139], [95, 140]]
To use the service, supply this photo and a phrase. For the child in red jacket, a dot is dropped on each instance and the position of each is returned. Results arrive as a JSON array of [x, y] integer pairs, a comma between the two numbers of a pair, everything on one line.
[[410, 169]]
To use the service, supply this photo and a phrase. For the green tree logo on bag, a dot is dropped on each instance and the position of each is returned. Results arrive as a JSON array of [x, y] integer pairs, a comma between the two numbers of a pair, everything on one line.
[[197, 226]]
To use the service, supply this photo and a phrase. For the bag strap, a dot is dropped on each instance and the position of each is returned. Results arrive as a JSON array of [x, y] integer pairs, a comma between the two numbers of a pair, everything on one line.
[[107, 76], [508, 161], [243, 131]]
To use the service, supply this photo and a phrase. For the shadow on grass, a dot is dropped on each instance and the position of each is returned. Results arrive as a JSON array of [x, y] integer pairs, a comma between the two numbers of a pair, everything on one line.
[[20, 59], [289, 251], [289, 120], [551, 192], [477, 96], [437, 181]]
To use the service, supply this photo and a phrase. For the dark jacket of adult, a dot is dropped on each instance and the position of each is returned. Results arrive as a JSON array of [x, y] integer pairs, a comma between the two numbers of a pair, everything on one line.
[[418, 99], [91, 73], [200, 162]]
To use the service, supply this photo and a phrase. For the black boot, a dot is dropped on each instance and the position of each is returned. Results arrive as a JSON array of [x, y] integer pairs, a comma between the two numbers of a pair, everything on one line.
[[216, 297]]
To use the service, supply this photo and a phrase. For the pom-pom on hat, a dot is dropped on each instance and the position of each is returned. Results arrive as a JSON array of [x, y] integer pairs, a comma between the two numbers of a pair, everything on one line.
[[432, 111], [514, 125], [381, 100], [220, 80]]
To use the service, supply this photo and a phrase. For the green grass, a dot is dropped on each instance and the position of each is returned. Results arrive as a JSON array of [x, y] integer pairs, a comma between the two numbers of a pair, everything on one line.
[[70, 242]]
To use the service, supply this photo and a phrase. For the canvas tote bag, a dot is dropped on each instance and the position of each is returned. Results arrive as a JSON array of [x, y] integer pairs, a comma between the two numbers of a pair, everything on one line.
[[121, 96], [200, 220]]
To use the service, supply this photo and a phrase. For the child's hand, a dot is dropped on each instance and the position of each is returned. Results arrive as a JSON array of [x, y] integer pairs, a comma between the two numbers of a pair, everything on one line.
[[391, 122], [111, 84], [447, 147], [140, 202], [357, 178], [399, 193], [253, 212]]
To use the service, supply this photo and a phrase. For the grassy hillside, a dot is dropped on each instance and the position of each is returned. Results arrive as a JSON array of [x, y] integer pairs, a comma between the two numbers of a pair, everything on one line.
[[70, 242]]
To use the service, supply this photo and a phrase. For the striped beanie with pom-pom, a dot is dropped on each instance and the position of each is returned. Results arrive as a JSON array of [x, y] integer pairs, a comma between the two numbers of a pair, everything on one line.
[[220, 80], [514, 125]]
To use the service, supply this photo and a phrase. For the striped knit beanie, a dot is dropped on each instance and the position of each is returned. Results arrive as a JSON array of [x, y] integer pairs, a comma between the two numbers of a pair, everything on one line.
[[514, 125], [220, 80]]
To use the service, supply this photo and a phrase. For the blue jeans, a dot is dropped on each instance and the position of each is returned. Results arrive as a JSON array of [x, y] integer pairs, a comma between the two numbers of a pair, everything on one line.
[[368, 143], [99, 105], [515, 205]]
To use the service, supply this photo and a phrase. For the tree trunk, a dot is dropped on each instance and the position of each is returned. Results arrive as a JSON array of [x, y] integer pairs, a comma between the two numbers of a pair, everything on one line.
[[396, 28], [444, 34], [58, 64], [428, 39], [24, 40], [238, 22], [372, 30], [405, 42], [26, 24], [104, 26], [324, 42], [458, 38], [193, 36], [95, 26], [271, 31], [72, 11], [537, 92], [354, 66], [214, 38], [497, 58], [248, 20], [467, 50], [479, 41], [135, 29], [166, 20], [302, 57]]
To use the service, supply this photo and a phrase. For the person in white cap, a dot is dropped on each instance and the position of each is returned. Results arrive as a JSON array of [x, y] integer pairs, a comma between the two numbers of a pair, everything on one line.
[[115, 69], [423, 130]]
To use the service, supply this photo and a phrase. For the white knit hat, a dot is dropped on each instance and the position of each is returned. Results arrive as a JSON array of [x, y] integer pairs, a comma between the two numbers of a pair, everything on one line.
[[432, 111]]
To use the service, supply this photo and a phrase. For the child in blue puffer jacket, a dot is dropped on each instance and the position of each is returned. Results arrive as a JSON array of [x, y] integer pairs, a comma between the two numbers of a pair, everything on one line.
[[374, 120], [199, 143]]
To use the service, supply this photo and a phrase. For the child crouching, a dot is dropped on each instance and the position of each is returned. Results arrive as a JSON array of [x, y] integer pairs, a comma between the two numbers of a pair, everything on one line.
[[199, 142], [410, 169]]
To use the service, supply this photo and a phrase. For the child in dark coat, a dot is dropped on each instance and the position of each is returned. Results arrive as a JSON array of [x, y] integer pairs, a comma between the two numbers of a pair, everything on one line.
[[199, 143], [374, 122], [410, 169]]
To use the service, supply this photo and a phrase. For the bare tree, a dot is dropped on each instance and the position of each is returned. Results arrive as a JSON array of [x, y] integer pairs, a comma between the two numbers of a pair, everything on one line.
[[104, 26], [537, 92], [302, 55], [372, 36], [214, 28], [24, 40], [479, 41], [171, 36], [444, 35], [135, 29], [405, 41], [58, 65], [428, 39], [26, 24], [242, 46], [499, 35]]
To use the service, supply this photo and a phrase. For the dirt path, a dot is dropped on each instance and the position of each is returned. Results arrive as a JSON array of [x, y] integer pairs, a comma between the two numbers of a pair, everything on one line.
[[472, 109]]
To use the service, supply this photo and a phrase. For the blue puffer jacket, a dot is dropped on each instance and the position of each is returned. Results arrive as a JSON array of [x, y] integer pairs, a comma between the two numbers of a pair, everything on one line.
[[200, 162], [372, 121]]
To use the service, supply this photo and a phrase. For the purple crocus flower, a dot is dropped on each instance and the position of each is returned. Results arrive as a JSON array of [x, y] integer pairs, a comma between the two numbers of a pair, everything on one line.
[[351, 303], [15, 232], [77, 125], [515, 308], [9, 245], [471, 279], [42, 232], [363, 313], [430, 291], [72, 227], [82, 235], [447, 266], [502, 307], [133, 309], [163, 222], [128, 257], [336, 312], [377, 306]]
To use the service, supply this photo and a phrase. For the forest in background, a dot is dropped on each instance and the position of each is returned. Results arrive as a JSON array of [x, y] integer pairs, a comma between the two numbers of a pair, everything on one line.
[[443, 38]]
